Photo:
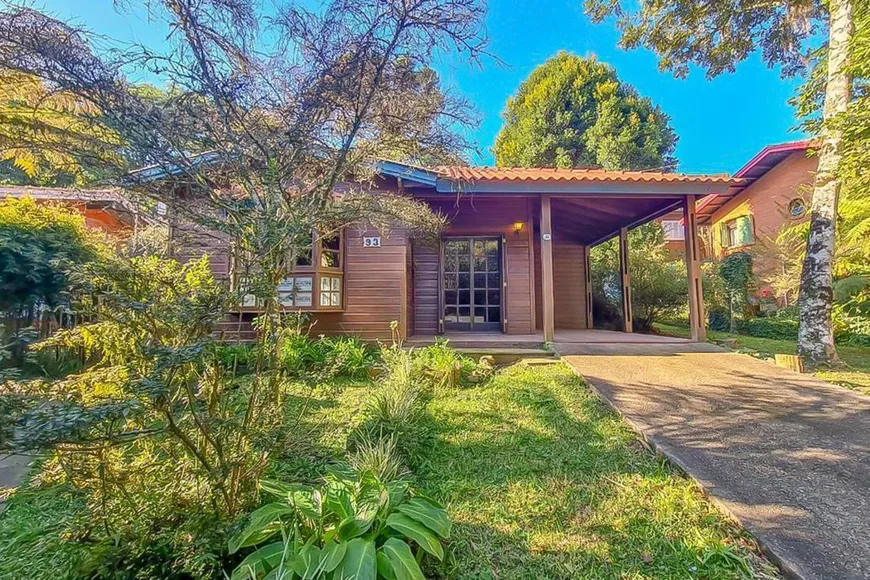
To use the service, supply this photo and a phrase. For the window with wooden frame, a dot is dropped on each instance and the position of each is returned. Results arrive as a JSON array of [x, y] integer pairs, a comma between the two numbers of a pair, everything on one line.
[[316, 282], [736, 232]]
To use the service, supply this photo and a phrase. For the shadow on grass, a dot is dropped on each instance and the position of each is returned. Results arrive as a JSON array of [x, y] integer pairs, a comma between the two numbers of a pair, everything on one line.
[[543, 481]]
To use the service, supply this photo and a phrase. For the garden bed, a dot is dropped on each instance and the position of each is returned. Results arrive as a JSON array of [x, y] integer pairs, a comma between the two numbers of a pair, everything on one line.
[[540, 479]]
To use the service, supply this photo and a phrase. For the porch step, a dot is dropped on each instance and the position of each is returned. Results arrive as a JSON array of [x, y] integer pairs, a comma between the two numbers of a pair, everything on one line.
[[504, 356], [478, 344]]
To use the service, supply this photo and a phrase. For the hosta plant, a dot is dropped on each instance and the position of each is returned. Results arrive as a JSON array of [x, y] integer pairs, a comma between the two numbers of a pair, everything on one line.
[[353, 527]]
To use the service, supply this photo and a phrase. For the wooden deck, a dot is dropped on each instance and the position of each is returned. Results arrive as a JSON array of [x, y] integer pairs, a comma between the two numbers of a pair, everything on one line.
[[499, 340]]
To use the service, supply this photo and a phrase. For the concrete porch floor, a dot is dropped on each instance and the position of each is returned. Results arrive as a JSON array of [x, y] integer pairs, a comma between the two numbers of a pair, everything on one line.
[[563, 337]]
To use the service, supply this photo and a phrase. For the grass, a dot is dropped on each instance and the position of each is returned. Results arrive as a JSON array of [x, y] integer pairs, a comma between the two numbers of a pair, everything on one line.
[[854, 374], [540, 478], [34, 530], [543, 481]]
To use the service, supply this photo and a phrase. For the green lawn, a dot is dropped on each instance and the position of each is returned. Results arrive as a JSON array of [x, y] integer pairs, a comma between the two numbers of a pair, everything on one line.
[[855, 373], [541, 479]]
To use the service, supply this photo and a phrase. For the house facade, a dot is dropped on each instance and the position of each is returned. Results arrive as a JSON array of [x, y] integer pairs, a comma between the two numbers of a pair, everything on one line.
[[773, 193], [512, 261]]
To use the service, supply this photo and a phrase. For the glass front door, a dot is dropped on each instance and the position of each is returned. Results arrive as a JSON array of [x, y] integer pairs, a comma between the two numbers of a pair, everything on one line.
[[472, 288]]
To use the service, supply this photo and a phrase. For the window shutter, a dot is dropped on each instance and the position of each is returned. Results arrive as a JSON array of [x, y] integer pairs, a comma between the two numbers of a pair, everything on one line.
[[744, 230], [723, 235]]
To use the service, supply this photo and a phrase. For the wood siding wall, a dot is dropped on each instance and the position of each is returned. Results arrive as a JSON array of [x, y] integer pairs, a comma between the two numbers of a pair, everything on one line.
[[484, 217], [569, 282], [375, 288]]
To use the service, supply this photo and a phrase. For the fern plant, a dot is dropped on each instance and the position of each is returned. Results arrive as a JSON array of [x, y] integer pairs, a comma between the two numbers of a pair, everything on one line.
[[355, 526]]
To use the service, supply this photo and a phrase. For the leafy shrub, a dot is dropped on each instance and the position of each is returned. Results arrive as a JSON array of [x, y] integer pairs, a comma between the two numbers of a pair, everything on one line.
[[788, 313], [775, 328], [719, 318], [235, 357], [326, 357], [355, 526], [851, 319], [659, 285], [442, 366]]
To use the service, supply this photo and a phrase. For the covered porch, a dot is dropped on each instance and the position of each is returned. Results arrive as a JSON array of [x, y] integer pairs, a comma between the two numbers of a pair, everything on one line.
[[513, 265], [498, 340]]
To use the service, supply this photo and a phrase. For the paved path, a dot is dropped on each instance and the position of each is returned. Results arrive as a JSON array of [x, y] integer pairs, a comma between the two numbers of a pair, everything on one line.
[[13, 468], [785, 453]]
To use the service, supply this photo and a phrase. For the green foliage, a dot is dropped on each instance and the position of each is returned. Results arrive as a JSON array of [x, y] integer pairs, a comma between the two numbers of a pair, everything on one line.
[[738, 279], [161, 441], [39, 243], [379, 455], [575, 112], [718, 37], [325, 357], [775, 328], [395, 409], [851, 315], [355, 526], [719, 318], [853, 207], [51, 137], [236, 357], [444, 367], [658, 282]]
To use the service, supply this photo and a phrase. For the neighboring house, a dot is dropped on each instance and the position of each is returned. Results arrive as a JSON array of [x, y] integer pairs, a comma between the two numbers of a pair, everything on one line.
[[104, 209], [773, 194], [513, 260]]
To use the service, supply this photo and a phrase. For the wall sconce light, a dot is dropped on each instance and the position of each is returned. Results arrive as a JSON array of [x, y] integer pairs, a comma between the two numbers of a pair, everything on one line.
[[518, 227]]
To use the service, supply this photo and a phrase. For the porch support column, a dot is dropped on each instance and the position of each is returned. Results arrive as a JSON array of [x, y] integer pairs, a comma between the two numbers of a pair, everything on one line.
[[625, 278], [547, 298], [588, 271], [693, 269]]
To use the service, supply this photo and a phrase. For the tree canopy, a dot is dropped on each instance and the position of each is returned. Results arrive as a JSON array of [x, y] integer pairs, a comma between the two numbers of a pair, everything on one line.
[[575, 112], [51, 137]]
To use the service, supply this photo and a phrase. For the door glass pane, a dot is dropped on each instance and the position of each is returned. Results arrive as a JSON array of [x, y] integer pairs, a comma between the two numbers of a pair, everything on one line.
[[464, 263], [465, 280], [450, 297], [480, 280], [450, 281], [464, 297], [479, 314], [494, 314], [480, 297], [493, 297], [492, 280]]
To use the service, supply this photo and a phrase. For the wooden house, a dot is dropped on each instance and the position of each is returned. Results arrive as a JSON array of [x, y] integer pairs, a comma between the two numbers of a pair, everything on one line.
[[513, 261]]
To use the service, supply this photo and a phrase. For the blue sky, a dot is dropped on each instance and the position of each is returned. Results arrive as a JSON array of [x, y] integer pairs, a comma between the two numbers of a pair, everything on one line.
[[721, 123]]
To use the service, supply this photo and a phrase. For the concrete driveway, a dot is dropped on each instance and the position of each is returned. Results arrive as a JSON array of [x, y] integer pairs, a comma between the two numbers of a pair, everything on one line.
[[788, 455]]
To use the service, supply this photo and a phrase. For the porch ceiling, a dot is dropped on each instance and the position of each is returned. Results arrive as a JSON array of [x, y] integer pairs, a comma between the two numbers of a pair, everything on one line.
[[591, 220]]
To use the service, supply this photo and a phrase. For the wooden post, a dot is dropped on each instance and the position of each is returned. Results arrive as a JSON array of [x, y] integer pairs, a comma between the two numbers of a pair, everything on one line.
[[625, 278], [693, 270], [547, 299], [588, 270]]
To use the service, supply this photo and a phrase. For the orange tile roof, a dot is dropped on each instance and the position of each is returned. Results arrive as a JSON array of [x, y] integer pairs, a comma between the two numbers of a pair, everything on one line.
[[552, 174]]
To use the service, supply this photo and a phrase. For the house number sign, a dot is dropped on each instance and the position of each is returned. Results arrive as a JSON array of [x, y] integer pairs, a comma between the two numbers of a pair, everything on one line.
[[374, 242]]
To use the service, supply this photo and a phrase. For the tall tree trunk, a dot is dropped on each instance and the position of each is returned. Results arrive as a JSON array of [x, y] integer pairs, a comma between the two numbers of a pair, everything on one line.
[[816, 335]]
